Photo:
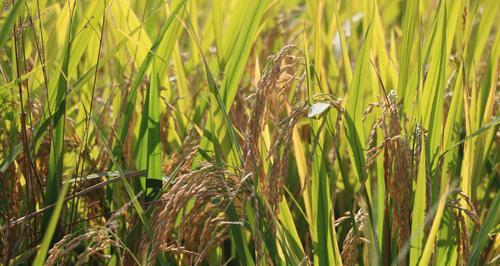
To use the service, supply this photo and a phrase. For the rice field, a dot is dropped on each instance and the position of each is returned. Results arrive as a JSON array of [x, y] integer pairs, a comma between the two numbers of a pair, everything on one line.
[[249, 132]]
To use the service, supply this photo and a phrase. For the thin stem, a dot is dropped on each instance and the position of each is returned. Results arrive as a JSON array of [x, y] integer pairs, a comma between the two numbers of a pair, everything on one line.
[[87, 118]]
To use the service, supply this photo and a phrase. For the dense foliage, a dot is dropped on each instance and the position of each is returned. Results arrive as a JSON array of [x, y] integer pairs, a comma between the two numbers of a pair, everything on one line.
[[292, 132]]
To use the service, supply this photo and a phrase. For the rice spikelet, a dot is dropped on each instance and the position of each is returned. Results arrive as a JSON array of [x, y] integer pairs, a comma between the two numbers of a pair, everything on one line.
[[354, 238], [210, 189]]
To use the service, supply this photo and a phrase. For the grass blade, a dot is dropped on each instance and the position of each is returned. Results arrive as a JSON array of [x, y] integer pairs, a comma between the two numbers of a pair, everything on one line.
[[6, 28], [41, 255]]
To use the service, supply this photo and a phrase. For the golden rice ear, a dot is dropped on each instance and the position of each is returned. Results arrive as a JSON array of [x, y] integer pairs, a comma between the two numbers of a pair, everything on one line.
[[274, 183], [461, 206], [182, 160], [266, 87], [463, 239], [97, 240], [199, 199], [354, 238], [398, 168], [276, 79]]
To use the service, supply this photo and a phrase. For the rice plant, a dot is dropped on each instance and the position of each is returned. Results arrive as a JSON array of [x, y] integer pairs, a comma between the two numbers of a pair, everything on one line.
[[250, 132]]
